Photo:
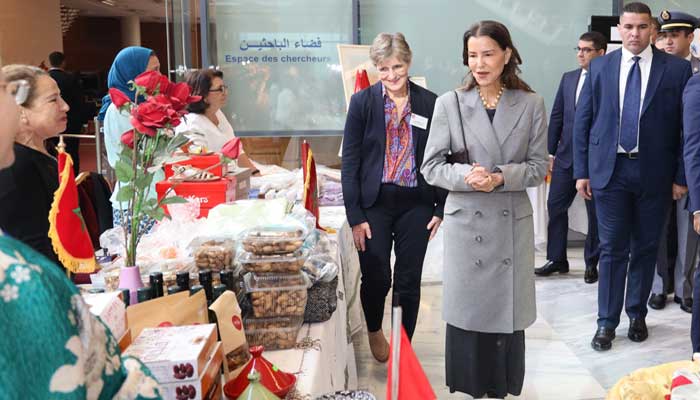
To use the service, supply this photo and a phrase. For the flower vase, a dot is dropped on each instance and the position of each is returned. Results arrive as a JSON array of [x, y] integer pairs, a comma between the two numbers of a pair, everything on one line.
[[130, 278]]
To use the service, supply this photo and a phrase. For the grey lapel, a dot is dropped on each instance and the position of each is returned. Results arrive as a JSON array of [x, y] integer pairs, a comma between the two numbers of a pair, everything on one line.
[[477, 122], [508, 113]]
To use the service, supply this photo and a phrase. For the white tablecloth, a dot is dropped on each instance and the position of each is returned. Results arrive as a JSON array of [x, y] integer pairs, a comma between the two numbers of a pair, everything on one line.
[[578, 219], [326, 361]]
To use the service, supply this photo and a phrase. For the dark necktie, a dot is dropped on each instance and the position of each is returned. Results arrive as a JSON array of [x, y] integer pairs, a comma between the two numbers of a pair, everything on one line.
[[629, 123]]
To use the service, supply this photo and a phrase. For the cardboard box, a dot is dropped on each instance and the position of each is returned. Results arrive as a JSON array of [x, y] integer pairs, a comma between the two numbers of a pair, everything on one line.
[[110, 308], [173, 310], [242, 177], [208, 386], [210, 194], [125, 340], [202, 162], [176, 353]]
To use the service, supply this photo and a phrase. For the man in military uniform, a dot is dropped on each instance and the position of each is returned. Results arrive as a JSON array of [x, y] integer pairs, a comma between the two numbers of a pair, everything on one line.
[[675, 37]]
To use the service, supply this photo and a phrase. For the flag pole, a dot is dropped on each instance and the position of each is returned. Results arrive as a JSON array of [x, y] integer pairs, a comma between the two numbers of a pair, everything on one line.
[[61, 146], [396, 346]]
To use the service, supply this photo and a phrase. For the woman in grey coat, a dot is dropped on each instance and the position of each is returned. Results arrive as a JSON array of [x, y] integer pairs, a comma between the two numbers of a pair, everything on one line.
[[489, 289]]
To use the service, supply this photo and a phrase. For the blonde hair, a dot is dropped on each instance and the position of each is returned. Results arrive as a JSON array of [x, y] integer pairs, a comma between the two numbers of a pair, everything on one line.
[[387, 45], [28, 73]]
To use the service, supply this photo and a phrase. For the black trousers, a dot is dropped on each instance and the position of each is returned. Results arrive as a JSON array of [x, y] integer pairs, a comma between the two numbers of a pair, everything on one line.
[[399, 217], [562, 192]]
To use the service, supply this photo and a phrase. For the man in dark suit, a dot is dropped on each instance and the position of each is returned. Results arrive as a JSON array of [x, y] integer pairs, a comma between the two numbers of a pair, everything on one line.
[[675, 37], [72, 94], [627, 148], [691, 137], [562, 189]]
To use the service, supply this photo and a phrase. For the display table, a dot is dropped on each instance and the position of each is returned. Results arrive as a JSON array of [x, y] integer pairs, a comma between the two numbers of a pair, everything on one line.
[[325, 358], [578, 219]]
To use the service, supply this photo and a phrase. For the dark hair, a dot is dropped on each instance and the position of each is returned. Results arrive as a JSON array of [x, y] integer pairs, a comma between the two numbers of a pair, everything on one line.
[[199, 81], [637, 8], [56, 59], [656, 24], [498, 32], [598, 39]]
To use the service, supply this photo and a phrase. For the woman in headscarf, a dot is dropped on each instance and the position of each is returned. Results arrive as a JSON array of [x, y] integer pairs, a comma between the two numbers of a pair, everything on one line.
[[129, 63]]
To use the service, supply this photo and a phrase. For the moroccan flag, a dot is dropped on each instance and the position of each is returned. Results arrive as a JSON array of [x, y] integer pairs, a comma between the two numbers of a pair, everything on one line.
[[67, 229], [361, 80], [413, 384], [310, 183]]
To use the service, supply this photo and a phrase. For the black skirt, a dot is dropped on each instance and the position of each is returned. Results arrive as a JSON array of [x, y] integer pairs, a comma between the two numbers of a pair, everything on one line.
[[482, 364]]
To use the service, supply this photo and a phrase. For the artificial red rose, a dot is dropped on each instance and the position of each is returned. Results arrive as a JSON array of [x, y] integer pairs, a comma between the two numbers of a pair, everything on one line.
[[149, 116], [155, 113], [232, 148], [128, 138], [152, 81], [118, 97], [179, 94]]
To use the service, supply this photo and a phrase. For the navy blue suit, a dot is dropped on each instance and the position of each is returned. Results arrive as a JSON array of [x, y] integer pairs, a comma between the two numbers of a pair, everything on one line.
[[691, 134], [562, 189], [631, 195]]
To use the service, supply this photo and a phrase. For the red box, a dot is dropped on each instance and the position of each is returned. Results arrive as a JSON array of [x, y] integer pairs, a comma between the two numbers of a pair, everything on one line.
[[197, 161], [210, 194]]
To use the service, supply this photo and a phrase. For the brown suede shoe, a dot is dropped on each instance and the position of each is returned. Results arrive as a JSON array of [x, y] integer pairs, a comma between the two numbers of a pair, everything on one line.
[[379, 346]]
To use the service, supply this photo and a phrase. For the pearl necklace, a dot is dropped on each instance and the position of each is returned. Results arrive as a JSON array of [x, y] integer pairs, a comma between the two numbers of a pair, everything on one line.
[[486, 104]]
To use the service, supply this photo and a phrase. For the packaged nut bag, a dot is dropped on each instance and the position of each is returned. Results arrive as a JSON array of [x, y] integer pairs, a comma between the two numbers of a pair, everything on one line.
[[232, 334]]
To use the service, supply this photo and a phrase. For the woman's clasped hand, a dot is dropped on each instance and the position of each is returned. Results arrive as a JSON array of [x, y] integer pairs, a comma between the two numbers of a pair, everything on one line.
[[482, 180]]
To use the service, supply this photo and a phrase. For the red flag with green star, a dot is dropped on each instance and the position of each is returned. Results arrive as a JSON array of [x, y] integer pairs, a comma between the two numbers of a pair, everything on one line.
[[310, 197], [67, 230]]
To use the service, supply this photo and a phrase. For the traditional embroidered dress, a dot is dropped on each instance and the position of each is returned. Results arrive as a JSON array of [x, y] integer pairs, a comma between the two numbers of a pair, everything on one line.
[[52, 347]]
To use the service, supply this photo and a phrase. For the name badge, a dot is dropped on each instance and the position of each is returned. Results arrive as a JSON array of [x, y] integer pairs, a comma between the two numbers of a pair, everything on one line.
[[419, 121]]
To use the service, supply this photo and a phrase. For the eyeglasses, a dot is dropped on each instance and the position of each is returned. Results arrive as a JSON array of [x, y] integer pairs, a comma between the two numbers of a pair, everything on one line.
[[586, 50], [18, 89], [223, 88]]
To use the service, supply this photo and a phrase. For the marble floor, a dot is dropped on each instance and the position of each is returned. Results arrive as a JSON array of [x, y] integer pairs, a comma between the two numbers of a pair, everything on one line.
[[560, 364]]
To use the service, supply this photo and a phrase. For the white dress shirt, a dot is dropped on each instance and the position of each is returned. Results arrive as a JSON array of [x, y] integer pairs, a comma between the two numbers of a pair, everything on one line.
[[202, 131], [581, 80], [626, 63]]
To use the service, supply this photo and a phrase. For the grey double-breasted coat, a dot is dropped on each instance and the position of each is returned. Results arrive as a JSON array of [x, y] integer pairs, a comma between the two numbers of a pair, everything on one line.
[[489, 256]]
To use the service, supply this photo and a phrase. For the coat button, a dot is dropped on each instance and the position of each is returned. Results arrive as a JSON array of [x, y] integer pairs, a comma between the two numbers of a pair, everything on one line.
[[478, 263], [505, 213], [478, 239], [506, 261], [478, 213]]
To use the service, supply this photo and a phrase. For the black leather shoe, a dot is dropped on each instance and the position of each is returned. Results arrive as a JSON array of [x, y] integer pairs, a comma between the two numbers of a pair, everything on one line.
[[657, 301], [552, 266], [687, 305], [591, 275], [603, 338], [637, 331], [677, 300]]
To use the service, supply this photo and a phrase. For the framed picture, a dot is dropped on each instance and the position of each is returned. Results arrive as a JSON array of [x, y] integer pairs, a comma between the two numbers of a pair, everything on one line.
[[353, 58]]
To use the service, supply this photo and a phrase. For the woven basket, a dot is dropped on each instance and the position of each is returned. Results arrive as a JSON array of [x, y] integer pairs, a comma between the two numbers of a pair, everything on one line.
[[322, 301]]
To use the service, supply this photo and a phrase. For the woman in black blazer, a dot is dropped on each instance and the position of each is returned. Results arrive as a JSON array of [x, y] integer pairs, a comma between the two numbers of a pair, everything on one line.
[[387, 200], [27, 187]]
